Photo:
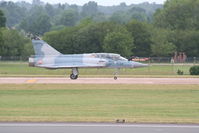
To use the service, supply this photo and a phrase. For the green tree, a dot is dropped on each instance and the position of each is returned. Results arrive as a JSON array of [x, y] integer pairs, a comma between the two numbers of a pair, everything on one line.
[[57, 27], [178, 14], [1, 42], [36, 24], [2, 19], [68, 18], [135, 13], [100, 17], [41, 25], [63, 40], [86, 37], [161, 46], [74, 7], [50, 9], [90, 38], [14, 44], [14, 13], [118, 42], [141, 32], [138, 13], [186, 41], [69, 40], [90, 9], [120, 17]]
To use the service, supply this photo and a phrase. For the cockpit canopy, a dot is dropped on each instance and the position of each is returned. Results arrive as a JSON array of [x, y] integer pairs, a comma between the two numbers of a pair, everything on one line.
[[111, 56]]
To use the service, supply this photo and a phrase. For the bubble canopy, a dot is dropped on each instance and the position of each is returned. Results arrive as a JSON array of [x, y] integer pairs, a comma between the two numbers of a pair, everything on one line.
[[109, 56]]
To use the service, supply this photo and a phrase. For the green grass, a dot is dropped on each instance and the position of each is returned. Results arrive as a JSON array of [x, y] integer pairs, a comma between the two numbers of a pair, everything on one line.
[[22, 69], [100, 103]]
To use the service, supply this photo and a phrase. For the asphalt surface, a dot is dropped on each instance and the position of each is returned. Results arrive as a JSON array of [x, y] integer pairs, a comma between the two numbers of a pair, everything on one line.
[[95, 128], [38, 80]]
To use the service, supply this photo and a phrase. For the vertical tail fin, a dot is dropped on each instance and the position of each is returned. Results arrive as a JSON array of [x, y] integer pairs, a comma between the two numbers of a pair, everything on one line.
[[42, 48]]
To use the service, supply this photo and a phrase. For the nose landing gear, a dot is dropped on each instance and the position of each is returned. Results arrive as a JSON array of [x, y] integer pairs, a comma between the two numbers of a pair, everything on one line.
[[116, 73]]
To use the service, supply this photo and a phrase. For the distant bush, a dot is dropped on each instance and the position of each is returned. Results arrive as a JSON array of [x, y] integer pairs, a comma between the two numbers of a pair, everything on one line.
[[194, 70], [180, 72]]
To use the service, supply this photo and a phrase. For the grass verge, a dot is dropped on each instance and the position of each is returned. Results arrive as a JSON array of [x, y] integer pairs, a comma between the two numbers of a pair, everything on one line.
[[100, 103], [156, 70]]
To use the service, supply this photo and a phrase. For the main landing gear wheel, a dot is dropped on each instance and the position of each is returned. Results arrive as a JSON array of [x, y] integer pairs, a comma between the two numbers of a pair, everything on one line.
[[72, 76], [115, 77]]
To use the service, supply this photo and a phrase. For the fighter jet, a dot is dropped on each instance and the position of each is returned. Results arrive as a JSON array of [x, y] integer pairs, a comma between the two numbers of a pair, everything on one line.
[[48, 57]]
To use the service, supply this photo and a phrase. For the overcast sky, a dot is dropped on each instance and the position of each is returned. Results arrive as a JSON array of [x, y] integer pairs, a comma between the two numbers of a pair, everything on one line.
[[100, 2]]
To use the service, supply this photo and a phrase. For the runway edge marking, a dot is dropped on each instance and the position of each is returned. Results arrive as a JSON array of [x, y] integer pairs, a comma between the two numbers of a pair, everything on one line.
[[95, 125]]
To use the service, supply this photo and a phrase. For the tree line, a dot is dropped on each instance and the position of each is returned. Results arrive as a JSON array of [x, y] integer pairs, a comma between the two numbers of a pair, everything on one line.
[[39, 17], [129, 30]]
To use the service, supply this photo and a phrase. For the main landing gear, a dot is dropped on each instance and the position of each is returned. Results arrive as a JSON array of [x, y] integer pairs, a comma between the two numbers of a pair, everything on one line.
[[74, 74]]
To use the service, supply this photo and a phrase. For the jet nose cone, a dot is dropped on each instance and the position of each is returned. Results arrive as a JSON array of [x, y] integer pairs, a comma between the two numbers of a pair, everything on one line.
[[137, 64]]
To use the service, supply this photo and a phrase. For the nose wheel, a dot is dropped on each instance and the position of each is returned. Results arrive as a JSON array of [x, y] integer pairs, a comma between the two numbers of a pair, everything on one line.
[[116, 73]]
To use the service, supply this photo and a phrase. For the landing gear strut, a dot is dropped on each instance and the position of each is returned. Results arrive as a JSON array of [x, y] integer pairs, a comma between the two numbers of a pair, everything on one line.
[[116, 73], [74, 74]]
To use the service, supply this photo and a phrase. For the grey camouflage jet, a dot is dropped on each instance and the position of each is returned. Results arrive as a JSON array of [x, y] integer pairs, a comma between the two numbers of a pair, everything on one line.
[[48, 57]]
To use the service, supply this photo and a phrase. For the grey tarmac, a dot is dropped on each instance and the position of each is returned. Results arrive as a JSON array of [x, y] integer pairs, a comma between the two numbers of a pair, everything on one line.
[[95, 128], [52, 80]]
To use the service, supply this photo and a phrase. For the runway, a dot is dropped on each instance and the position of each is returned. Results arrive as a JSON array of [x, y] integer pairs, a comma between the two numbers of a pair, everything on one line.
[[39, 80], [95, 128]]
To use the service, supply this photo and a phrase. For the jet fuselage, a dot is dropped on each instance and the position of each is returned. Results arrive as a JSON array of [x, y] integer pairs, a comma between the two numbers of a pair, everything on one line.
[[48, 57]]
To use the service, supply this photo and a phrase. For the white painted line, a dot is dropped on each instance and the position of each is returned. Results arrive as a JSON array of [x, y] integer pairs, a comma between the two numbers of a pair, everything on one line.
[[96, 125]]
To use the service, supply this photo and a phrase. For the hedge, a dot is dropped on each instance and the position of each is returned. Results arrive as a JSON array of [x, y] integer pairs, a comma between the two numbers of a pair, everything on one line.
[[194, 70]]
